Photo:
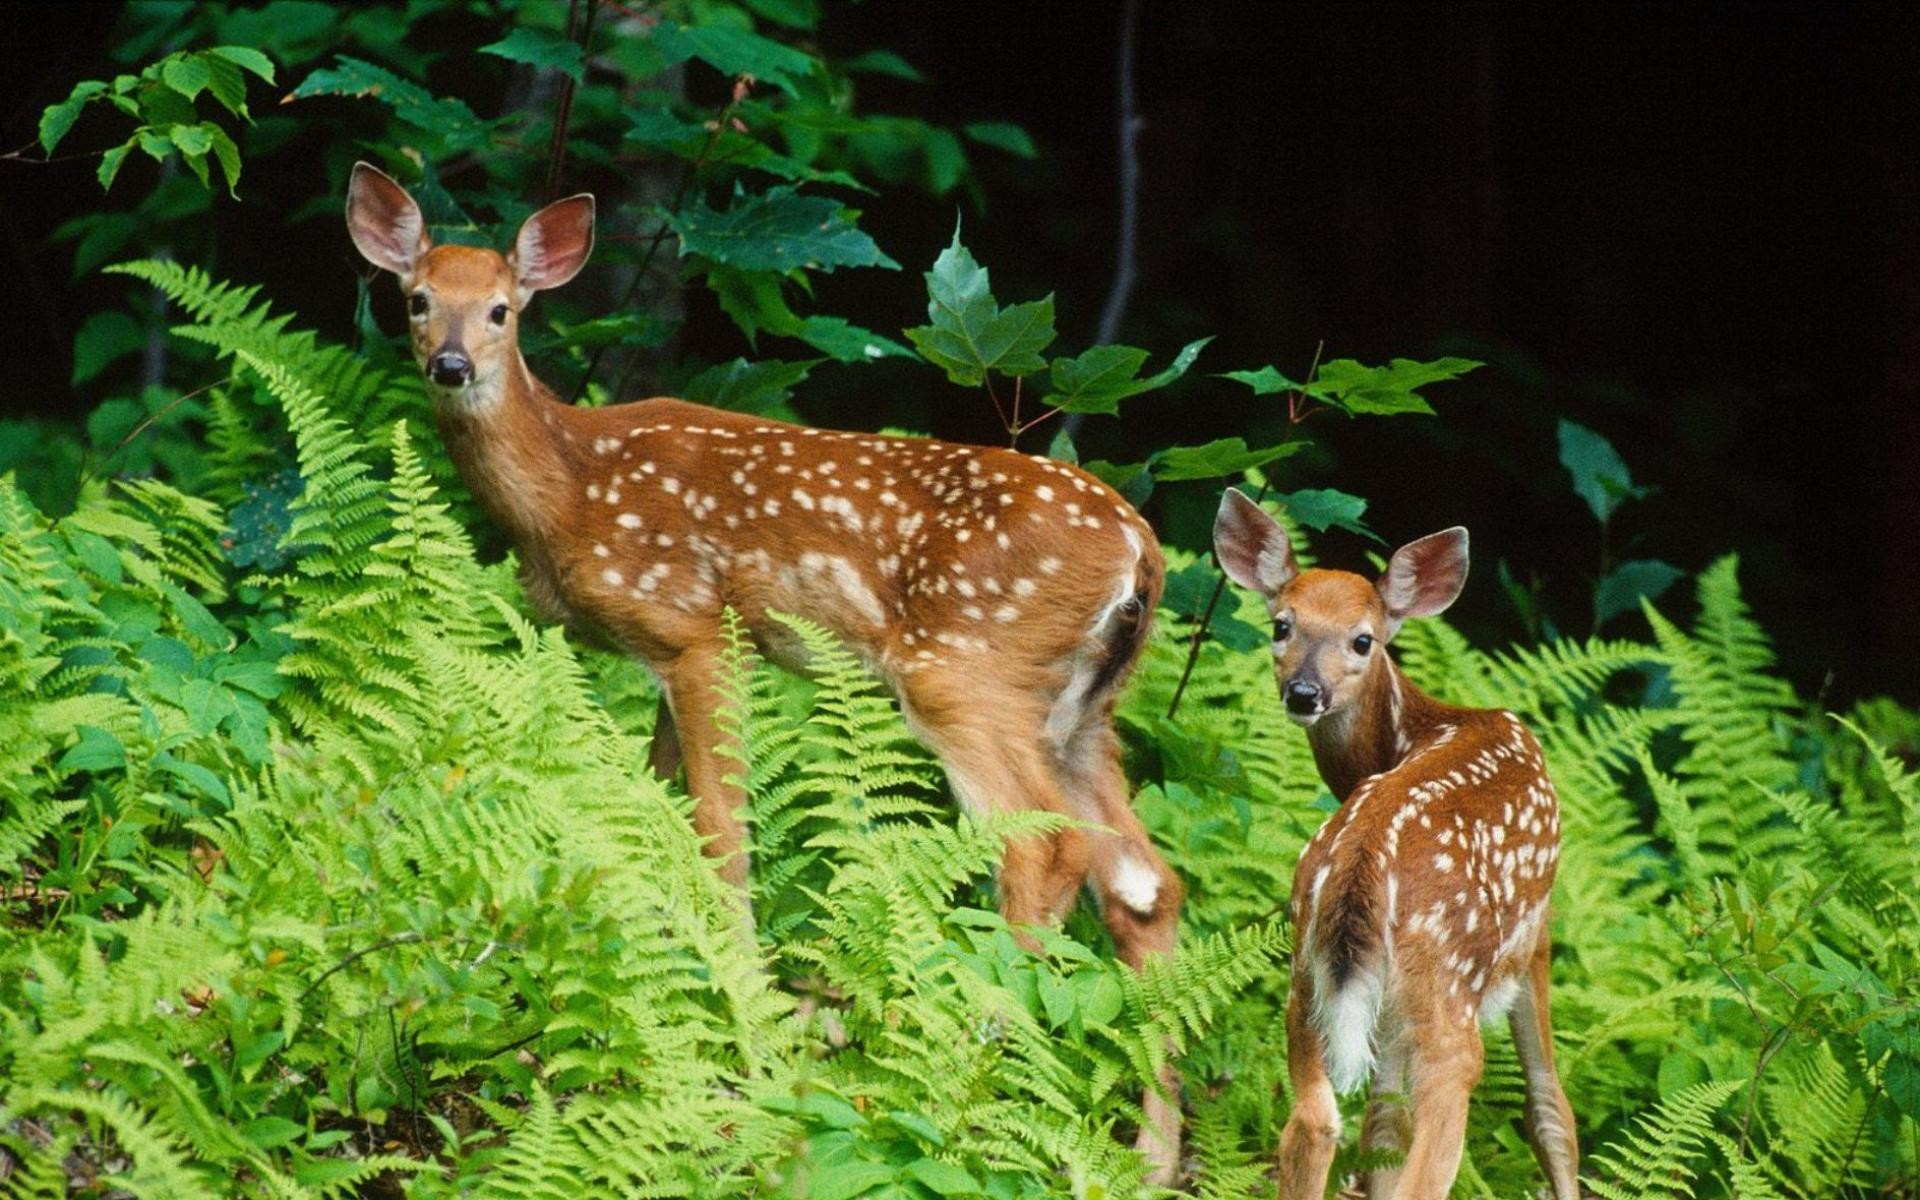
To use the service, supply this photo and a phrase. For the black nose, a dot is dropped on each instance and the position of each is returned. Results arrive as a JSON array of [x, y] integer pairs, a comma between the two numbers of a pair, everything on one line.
[[1302, 697], [449, 369]]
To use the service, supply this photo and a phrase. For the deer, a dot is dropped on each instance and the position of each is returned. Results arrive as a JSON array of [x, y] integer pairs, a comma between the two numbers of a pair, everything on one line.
[[1004, 598], [1419, 908]]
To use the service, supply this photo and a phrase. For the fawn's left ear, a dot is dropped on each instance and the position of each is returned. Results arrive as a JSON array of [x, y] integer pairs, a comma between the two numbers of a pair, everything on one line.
[[1424, 577], [1253, 549], [552, 246], [385, 223]]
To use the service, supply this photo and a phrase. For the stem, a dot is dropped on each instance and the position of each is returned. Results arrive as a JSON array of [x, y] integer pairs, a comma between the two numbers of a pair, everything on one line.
[[557, 148], [1200, 630], [404, 939], [1294, 419], [1127, 236], [1126, 251], [659, 236], [88, 470]]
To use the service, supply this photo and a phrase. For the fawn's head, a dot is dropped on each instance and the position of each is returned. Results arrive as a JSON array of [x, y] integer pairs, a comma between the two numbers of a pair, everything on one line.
[[1329, 626], [464, 302]]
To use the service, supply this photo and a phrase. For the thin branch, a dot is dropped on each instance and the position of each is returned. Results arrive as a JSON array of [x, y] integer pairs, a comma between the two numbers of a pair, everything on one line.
[[1126, 252], [1295, 418], [557, 147], [89, 469], [714, 130], [404, 939], [1127, 236]]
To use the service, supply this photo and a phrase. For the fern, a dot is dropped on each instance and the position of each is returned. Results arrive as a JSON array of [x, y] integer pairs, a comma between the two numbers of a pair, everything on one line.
[[1657, 1160]]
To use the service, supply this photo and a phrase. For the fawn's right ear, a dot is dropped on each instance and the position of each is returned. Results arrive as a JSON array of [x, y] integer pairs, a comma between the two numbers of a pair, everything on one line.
[[1252, 548], [552, 245], [1424, 576], [385, 222]]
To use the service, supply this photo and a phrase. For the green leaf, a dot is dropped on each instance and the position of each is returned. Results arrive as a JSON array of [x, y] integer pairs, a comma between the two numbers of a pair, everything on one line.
[[187, 74], [1623, 587], [883, 62], [944, 1178], [1002, 135], [794, 14], [734, 52], [919, 1126], [97, 750], [246, 58], [194, 775], [226, 85], [843, 1180], [541, 48], [780, 230], [1325, 508], [105, 338], [1134, 481], [193, 139], [846, 342], [1600, 475], [1097, 381], [228, 155], [750, 387], [970, 334], [1265, 382], [450, 122], [1223, 456], [110, 163], [1061, 449], [1384, 390], [194, 618], [266, 1133], [59, 118]]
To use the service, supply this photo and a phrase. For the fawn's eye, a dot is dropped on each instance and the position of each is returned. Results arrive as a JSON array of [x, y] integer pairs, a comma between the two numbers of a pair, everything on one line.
[[417, 304], [499, 314], [1362, 644], [1281, 629]]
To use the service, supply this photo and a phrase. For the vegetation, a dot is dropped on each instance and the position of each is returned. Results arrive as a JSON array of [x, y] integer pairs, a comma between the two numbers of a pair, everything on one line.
[[328, 871]]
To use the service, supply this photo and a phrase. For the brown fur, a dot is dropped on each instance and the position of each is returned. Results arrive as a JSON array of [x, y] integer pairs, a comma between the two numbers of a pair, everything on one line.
[[1003, 596], [1426, 891]]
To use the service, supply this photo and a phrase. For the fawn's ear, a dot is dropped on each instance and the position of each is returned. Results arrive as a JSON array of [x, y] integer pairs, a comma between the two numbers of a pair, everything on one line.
[[385, 222], [553, 245], [1252, 548], [1424, 576]]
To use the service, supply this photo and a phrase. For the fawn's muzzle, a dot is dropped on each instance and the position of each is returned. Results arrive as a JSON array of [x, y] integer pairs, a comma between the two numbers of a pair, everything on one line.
[[450, 369], [1304, 698]]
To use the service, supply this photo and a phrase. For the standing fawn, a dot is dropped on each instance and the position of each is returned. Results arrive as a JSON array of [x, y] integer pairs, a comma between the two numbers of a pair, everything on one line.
[[1003, 597], [1420, 907]]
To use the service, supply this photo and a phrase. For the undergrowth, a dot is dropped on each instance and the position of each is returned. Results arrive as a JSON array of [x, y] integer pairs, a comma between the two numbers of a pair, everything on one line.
[[334, 874]]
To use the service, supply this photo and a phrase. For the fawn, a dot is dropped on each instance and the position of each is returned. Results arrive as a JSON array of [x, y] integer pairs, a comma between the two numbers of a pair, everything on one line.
[[1420, 907], [1003, 597]]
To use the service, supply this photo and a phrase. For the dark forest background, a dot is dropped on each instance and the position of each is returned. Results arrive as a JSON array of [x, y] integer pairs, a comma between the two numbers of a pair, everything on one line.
[[1694, 229]]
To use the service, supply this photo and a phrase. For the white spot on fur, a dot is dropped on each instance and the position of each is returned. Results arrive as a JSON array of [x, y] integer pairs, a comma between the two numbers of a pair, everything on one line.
[[1498, 1000], [1137, 886]]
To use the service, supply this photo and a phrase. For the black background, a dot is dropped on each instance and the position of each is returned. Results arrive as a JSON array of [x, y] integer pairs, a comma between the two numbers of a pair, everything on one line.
[[1695, 229]]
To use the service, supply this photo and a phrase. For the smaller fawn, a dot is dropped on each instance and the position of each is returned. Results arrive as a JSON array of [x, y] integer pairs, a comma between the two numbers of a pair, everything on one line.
[[1420, 908], [1004, 597]]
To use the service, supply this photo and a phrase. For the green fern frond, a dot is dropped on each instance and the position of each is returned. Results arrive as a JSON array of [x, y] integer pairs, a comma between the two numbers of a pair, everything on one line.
[[1656, 1161]]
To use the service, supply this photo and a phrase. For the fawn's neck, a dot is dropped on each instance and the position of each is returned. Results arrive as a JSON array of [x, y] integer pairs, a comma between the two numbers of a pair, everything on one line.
[[508, 440], [1387, 721]]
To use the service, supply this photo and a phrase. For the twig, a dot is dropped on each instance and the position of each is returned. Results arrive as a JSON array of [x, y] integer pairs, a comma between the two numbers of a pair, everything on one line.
[[557, 148], [1126, 256], [88, 470], [687, 181], [1295, 418], [1127, 236], [404, 939]]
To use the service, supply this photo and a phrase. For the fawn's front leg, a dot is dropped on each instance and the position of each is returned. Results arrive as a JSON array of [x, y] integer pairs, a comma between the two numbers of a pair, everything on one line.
[[691, 693]]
